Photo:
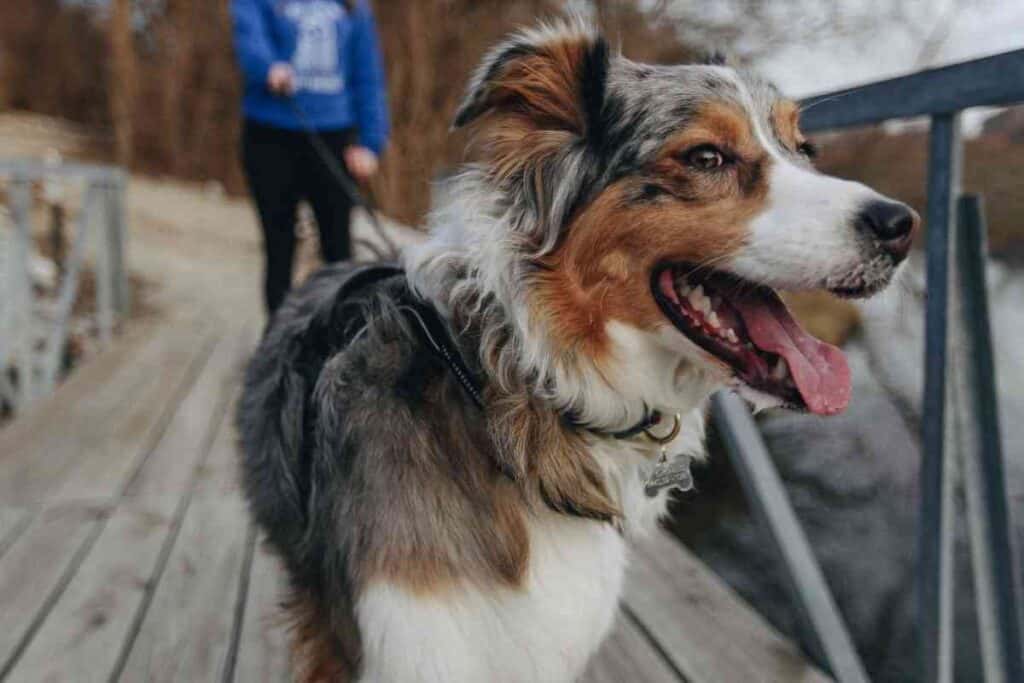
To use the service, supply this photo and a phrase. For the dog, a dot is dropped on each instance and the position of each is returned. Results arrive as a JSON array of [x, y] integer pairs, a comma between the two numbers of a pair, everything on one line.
[[450, 458]]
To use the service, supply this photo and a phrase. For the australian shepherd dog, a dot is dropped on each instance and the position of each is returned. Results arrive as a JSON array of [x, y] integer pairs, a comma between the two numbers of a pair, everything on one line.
[[459, 510]]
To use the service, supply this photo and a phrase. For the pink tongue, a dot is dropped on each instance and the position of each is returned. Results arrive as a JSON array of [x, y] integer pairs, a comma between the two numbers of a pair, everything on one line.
[[819, 369]]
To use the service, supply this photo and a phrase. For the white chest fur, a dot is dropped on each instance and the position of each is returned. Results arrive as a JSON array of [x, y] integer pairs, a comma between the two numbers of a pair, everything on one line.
[[545, 631]]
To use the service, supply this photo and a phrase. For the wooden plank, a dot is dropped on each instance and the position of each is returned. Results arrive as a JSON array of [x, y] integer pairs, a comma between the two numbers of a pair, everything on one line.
[[105, 463], [707, 630], [84, 384], [86, 629], [34, 569], [627, 655], [189, 441], [12, 522], [81, 637], [187, 630], [99, 425], [218, 476], [263, 647]]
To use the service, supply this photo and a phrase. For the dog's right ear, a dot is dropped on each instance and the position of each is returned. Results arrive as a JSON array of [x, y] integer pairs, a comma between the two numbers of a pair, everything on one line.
[[553, 77], [540, 100]]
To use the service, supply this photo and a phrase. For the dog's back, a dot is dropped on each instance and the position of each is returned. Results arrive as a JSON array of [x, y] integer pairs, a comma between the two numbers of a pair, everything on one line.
[[274, 415], [277, 418]]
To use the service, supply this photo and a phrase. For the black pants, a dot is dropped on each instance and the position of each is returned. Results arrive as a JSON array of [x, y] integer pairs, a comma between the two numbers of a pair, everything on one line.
[[283, 168]]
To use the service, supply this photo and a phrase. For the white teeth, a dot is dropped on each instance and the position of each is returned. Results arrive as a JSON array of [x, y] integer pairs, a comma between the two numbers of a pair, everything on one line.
[[713, 320], [731, 336], [780, 370], [699, 301]]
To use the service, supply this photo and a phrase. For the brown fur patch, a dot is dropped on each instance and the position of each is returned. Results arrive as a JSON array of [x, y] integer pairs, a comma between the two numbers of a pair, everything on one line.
[[535, 107], [321, 652], [602, 269], [785, 121], [452, 514], [559, 467]]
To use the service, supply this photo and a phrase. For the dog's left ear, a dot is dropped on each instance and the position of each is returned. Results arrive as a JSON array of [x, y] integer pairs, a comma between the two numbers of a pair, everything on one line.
[[550, 78]]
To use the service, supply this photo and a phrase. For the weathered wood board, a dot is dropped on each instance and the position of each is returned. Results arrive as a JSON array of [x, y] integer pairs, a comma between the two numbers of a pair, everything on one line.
[[707, 630]]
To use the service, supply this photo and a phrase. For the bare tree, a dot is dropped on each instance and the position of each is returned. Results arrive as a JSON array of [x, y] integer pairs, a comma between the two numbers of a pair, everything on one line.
[[122, 84]]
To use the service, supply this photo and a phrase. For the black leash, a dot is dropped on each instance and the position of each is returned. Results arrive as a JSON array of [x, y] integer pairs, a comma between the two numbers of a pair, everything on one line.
[[432, 330], [347, 185]]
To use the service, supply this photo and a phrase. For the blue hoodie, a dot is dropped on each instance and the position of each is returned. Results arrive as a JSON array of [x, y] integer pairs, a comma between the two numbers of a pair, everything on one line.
[[336, 58]]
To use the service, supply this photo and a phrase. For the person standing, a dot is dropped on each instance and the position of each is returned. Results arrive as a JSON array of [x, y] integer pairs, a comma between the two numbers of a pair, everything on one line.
[[305, 63]]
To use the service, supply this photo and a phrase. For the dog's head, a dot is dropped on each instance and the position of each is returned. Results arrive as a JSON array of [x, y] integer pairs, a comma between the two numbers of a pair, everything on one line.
[[659, 208]]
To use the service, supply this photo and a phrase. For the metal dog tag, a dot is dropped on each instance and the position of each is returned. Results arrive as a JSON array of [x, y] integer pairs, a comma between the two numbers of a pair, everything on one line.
[[670, 473]]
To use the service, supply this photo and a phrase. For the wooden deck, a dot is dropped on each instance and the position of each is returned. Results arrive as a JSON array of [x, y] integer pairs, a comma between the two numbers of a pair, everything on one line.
[[125, 549], [126, 552]]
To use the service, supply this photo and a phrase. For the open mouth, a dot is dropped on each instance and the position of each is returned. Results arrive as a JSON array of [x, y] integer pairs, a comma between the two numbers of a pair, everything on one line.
[[748, 328]]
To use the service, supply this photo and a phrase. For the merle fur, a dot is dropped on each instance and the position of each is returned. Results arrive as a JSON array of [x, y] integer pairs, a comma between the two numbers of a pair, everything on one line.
[[350, 426]]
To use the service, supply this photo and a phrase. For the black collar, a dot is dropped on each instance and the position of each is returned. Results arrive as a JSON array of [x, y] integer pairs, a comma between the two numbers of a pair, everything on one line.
[[650, 419]]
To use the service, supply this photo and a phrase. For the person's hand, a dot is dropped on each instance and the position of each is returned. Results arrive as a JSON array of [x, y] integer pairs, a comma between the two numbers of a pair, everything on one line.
[[361, 161], [281, 79]]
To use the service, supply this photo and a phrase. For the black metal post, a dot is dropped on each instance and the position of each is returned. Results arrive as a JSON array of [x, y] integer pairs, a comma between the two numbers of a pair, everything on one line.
[[935, 613], [830, 641], [992, 543]]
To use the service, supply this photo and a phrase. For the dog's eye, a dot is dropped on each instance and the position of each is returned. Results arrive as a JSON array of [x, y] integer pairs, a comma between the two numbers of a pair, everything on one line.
[[808, 149], [705, 157]]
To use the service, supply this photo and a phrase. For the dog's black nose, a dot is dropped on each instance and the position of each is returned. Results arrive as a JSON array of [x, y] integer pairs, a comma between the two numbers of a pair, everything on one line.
[[891, 223]]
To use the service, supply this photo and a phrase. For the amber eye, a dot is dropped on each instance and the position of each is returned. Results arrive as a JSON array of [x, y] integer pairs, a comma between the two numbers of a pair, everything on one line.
[[705, 157]]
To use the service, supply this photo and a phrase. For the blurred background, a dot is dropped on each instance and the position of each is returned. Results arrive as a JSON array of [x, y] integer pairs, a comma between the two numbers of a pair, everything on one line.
[[152, 86]]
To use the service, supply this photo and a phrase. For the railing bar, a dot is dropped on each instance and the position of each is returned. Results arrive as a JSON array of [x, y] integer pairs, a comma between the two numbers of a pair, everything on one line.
[[23, 328], [35, 168], [770, 503], [997, 80], [935, 552], [996, 563], [7, 392], [119, 244], [7, 306], [104, 241], [69, 289]]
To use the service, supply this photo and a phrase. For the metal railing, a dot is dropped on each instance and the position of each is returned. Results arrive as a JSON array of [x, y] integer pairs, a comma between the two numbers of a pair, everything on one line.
[[959, 416], [33, 337]]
